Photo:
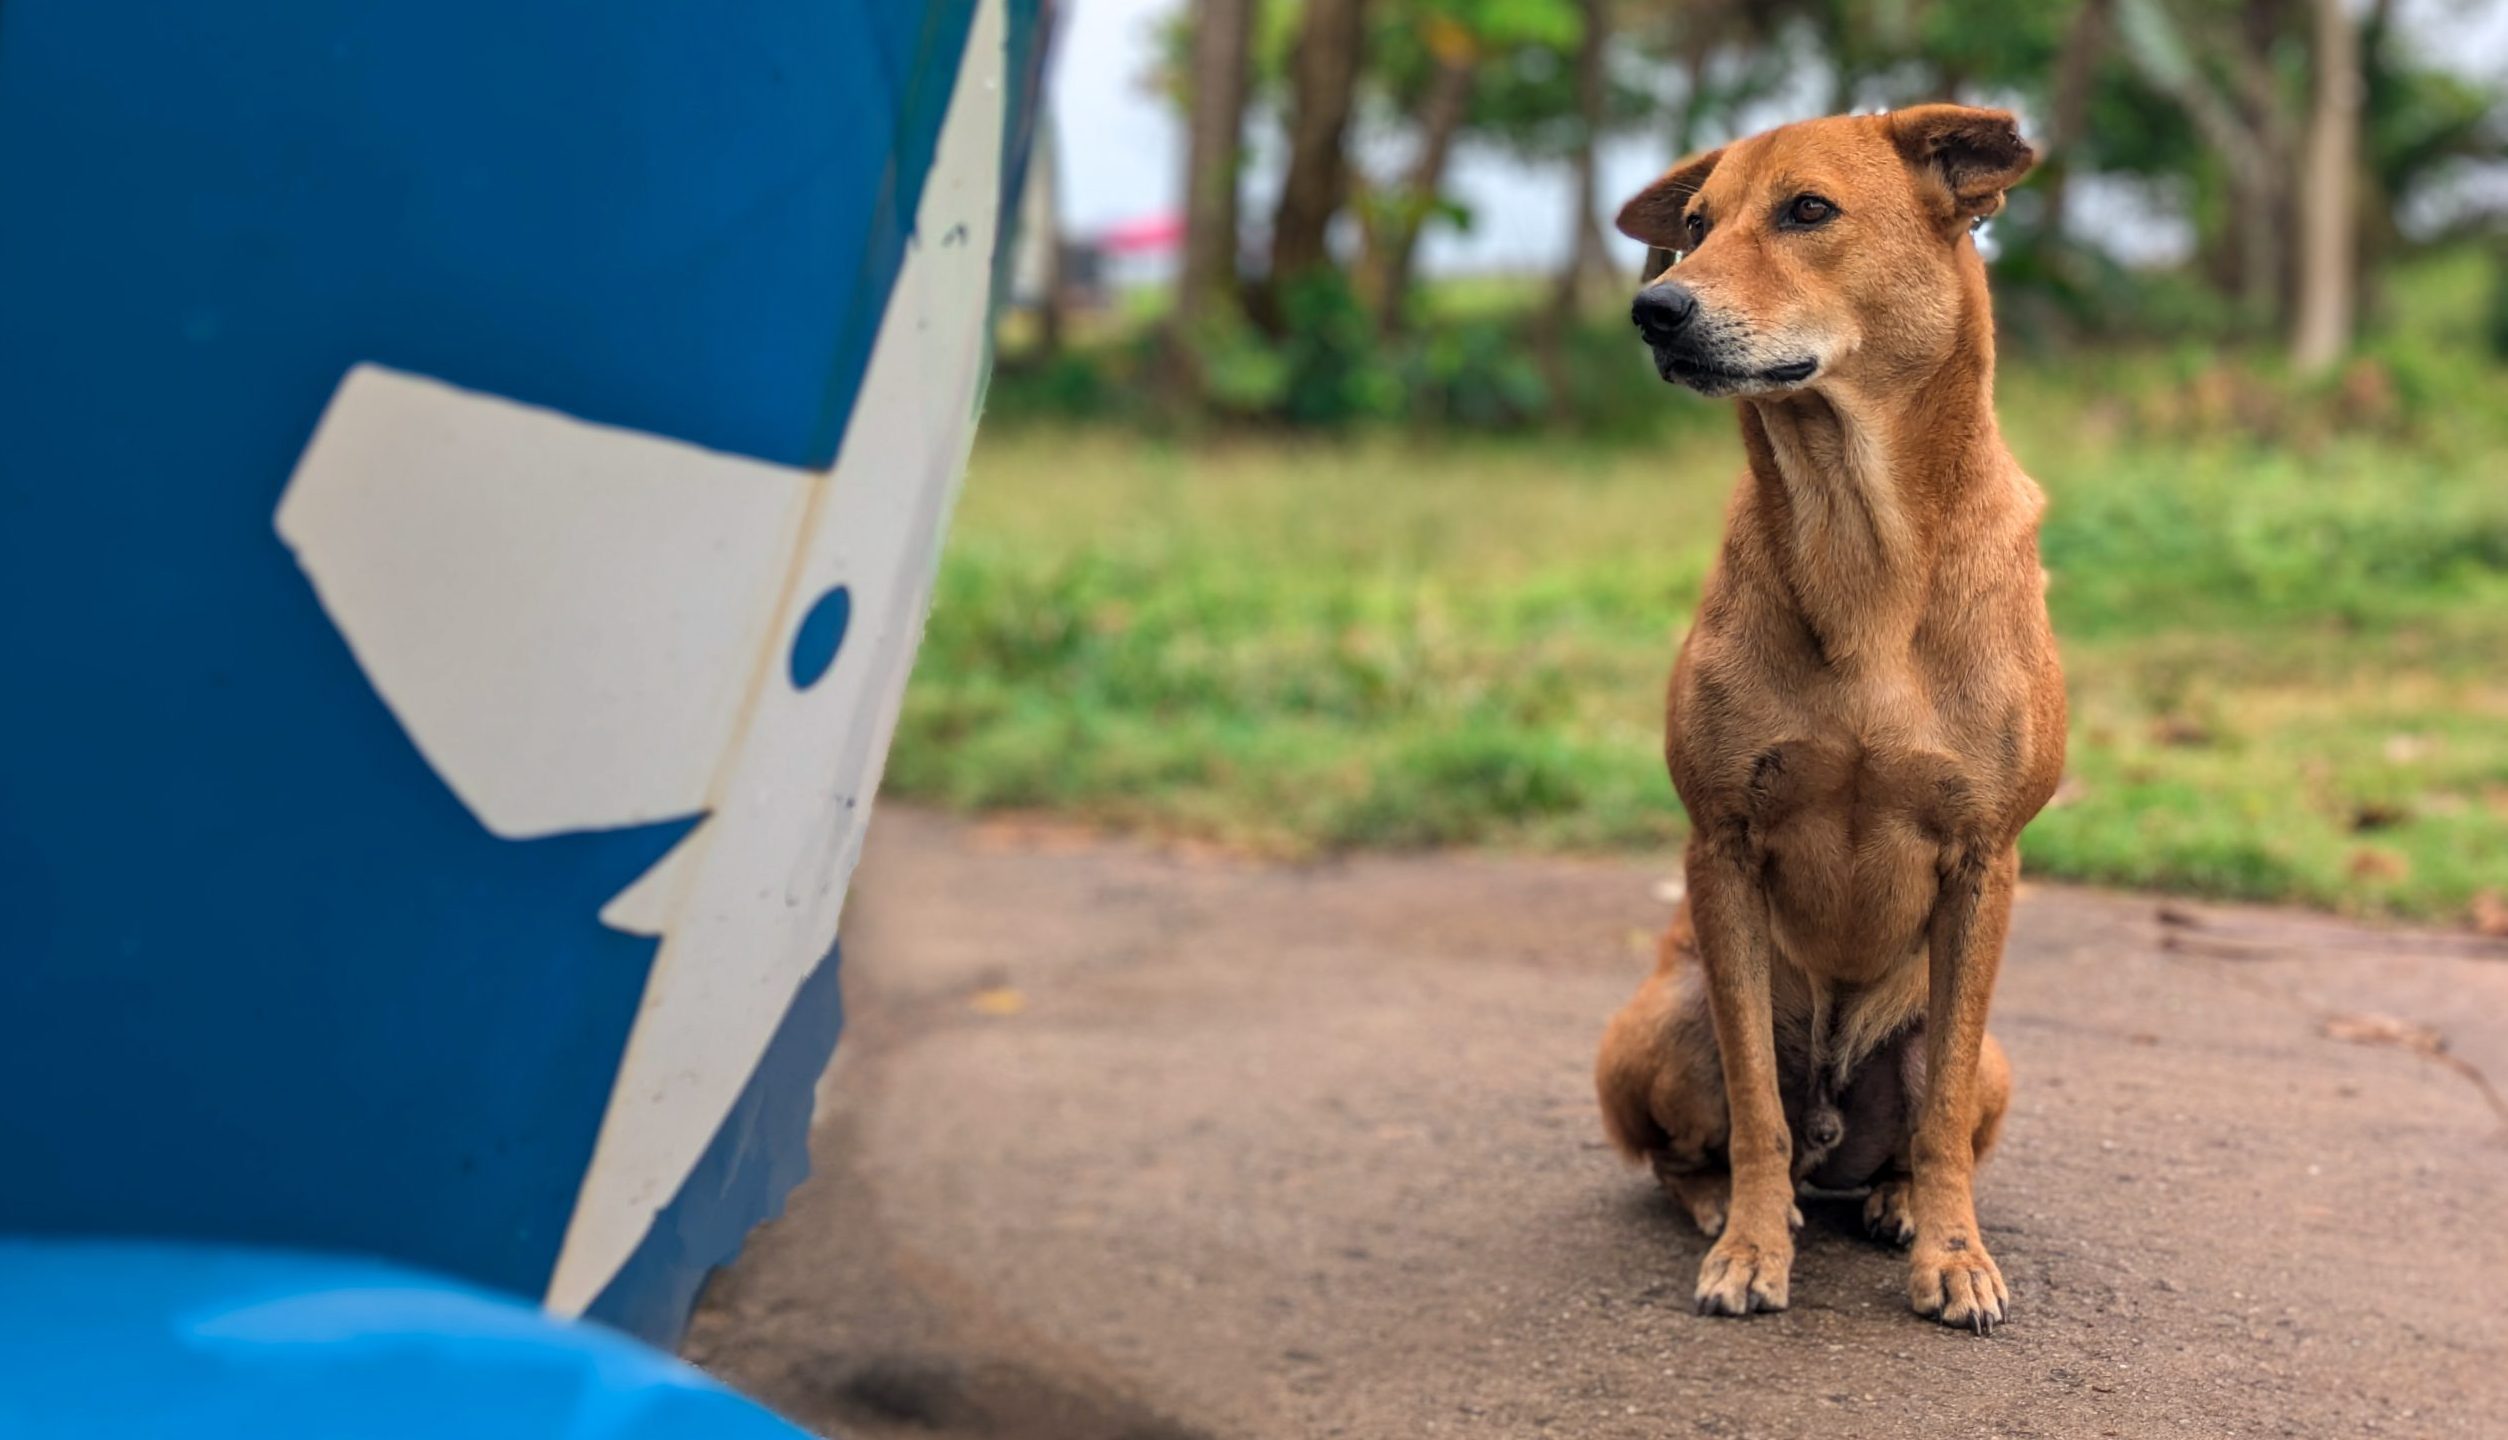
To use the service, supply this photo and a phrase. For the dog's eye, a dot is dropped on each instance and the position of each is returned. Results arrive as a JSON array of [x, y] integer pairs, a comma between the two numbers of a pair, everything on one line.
[[1809, 210], [1697, 230]]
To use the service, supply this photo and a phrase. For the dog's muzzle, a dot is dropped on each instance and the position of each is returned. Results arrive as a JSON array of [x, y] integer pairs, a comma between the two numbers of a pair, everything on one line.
[[1667, 316]]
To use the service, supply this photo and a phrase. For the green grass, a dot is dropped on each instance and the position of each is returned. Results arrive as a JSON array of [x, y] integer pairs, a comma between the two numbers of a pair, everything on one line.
[[2284, 612]]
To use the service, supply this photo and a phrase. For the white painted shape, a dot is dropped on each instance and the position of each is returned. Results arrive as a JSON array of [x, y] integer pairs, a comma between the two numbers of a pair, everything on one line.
[[753, 895], [563, 616], [645, 907]]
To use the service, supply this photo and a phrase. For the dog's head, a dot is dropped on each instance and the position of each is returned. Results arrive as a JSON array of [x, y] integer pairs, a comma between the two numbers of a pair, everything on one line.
[[1820, 247]]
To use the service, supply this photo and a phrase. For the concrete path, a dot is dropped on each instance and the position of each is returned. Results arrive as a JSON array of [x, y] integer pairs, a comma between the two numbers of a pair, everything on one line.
[[1123, 1144]]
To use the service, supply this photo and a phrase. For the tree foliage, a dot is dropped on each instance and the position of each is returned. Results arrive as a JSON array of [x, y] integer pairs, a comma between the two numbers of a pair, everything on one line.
[[2206, 102]]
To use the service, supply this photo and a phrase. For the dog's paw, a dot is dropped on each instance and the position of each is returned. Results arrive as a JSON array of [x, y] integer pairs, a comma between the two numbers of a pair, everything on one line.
[[1704, 1198], [1955, 1281], [1741, 1275], [1886, 1216]]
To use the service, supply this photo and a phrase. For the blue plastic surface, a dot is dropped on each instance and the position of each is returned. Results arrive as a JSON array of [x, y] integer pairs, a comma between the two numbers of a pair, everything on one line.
[[144, 1342], [266, 980]]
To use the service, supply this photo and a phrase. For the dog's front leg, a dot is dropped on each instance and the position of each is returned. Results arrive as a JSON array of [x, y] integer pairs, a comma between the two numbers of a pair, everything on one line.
[[1752, 1260], [1953, 1279]]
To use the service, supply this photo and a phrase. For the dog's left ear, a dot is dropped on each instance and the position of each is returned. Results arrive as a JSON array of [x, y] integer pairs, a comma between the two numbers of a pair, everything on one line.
[[1654, 213], [1975, 155]]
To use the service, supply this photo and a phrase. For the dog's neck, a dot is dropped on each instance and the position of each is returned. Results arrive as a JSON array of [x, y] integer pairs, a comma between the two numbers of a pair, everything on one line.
[[1862, 485]]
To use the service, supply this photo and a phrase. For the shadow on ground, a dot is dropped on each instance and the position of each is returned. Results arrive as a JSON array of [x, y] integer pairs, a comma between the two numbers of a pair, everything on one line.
[[1124, 1145]]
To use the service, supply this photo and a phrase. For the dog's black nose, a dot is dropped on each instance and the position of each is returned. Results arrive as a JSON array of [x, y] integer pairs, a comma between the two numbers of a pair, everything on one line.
[[1661, 310]]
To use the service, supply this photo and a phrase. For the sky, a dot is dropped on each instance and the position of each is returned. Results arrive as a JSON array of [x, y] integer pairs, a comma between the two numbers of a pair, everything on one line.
[[1121, 147]]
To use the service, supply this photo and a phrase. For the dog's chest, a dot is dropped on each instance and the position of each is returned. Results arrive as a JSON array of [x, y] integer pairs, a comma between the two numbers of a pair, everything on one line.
[[1854, 813], [1868, 751]]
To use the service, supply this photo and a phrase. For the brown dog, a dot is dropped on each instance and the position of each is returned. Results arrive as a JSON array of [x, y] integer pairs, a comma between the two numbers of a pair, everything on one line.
[[1865, 714]]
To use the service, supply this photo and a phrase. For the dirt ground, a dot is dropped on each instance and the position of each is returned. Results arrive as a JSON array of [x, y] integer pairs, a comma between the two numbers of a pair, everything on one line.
[[1124, 1144]]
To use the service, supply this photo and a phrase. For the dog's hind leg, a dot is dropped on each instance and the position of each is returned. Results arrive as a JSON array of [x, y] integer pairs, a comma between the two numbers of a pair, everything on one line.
[[1705, 1195], [1994, 1096], [1887, 1213], [1661, 1084], [1886, 1216]]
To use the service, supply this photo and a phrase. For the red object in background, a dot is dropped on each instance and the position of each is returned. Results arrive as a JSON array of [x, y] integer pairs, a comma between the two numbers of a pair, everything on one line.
[[1147, 235]]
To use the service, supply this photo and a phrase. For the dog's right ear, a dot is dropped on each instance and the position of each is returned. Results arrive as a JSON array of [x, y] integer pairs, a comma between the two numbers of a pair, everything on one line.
[[1654, 215], [1974, 155]]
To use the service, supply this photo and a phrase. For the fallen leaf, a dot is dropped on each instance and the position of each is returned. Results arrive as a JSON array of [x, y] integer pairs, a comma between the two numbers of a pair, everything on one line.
[[2368, 864], [2378, 815], [2421, 1040], [2374, 1029], [997, 1000], [2490, 914], [2180, 730], [1018, 832]]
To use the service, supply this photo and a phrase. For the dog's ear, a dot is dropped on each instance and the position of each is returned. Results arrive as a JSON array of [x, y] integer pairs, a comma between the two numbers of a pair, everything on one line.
[[1975, 155], [1654, 214]]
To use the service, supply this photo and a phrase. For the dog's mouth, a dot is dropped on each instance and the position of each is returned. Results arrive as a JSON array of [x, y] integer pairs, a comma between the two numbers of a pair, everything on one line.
[[1718, 379]]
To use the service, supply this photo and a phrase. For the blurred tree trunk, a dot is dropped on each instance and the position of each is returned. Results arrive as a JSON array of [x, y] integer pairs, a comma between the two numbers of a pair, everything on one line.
[[1442, 113], [1691, 120], [2075, 70], [2378, 235], [1323, 89], [1043, 218], [2327, 220], [1222, 66], [1587, 255], [2270, 280], [2244, 129]]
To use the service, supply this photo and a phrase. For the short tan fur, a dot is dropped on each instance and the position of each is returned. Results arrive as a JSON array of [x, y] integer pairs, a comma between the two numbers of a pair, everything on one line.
[[1864, 715]]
